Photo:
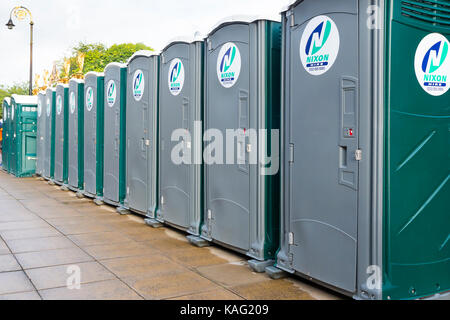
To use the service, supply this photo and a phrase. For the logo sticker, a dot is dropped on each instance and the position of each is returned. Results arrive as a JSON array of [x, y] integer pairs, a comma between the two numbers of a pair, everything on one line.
[[176, 77], [138, 85], [58, 105], [89, 99], [319, 46], [72, 102], [39, 108], [229, 65], [111, 93], [432, 64], [49, 108]]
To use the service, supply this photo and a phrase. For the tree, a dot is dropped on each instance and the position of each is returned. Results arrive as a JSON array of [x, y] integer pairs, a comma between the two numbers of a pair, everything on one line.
[[98, 56], [17, 88]]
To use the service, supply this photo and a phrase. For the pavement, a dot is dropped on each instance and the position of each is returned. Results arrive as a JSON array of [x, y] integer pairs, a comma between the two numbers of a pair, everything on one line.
[[49, 239]]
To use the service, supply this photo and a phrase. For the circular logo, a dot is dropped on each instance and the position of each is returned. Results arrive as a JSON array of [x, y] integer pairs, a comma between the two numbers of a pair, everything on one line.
[[72, 102], [138, 85], [319, 46], [228, 65], [111, 93], [432, 64], [176, 77], [89, 98], [49, 107], [58, 105], [39, 108]]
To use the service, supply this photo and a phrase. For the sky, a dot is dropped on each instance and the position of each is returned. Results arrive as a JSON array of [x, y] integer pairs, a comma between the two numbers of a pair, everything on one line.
[[61, 24]]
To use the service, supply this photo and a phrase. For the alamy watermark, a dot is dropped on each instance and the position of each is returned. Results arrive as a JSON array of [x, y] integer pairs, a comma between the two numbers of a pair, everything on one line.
[[234, 146]]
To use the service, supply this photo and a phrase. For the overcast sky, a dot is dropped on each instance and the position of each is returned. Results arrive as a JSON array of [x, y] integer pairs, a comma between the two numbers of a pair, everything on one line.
[[59, 25]]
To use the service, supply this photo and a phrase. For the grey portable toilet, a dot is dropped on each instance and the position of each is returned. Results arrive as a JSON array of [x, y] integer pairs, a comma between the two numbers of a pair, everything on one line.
[[142, 132], [49, 155], [242, 61], [61, 134], [365, 146], [76, 135], [115, 134], [94, 88], [180, 108], [40, 136]]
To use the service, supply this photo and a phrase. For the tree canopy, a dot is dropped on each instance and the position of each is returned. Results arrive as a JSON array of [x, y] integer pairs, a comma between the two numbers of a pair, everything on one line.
[[98, 56], [17, 88]]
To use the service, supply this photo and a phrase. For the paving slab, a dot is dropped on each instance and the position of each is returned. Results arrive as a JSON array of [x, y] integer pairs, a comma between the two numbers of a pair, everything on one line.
[[49, 258], [57, 276], [9, 263], [39, 244], [23, 296], [171, 285], [14, 282], [30, 233], [105, 290]]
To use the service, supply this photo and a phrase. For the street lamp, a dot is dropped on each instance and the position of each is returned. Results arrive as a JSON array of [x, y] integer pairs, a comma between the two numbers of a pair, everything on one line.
[[21, 13]]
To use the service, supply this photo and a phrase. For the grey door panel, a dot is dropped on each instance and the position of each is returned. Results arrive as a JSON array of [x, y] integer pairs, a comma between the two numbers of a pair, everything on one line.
[[112, 136], [323, 110], [90, 138], [228, 186]]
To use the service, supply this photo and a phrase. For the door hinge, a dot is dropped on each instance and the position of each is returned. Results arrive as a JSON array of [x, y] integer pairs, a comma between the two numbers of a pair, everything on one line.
[[147, 142], [292, 20], [291, 239], [358, 155], [209, 44], [249, 148], [291, 153], [128, 190], [209, 214], [162, 200]]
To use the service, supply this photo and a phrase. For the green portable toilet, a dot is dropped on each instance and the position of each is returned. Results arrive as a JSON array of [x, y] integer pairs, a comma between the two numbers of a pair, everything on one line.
[[24, 123], [94, 89], [6, 104], [365, 144], [76, 135], [62, 135]]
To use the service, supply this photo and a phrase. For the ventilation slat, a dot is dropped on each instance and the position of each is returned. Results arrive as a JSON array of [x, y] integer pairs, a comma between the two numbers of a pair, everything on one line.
[[434, 12]]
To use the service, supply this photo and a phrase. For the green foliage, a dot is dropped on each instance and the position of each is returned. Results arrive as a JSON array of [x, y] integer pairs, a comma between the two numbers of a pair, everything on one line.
[[17, 88], [98, 56]]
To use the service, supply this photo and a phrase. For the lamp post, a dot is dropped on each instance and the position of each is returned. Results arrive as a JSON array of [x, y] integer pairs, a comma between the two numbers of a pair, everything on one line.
[[21, 13]]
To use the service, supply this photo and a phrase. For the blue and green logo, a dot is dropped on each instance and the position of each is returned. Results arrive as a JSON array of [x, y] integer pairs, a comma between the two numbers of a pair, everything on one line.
[[138, 85], [432, 64], [111, 93], [229, 65], [176, 77], [319, 46]]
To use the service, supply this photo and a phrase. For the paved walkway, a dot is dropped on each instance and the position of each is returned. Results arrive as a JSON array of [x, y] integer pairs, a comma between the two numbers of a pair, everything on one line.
[[46, 232]]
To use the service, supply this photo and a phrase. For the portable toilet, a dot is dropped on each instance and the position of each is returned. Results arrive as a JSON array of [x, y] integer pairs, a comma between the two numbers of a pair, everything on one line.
[[94, 89], [12, 154], [49, 156], [242, 61], [142, 132], [62, 135], [115, 134], [366, 147], [40, 135], [24, 123], [181, 108], [5, 133], [76, 135]]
